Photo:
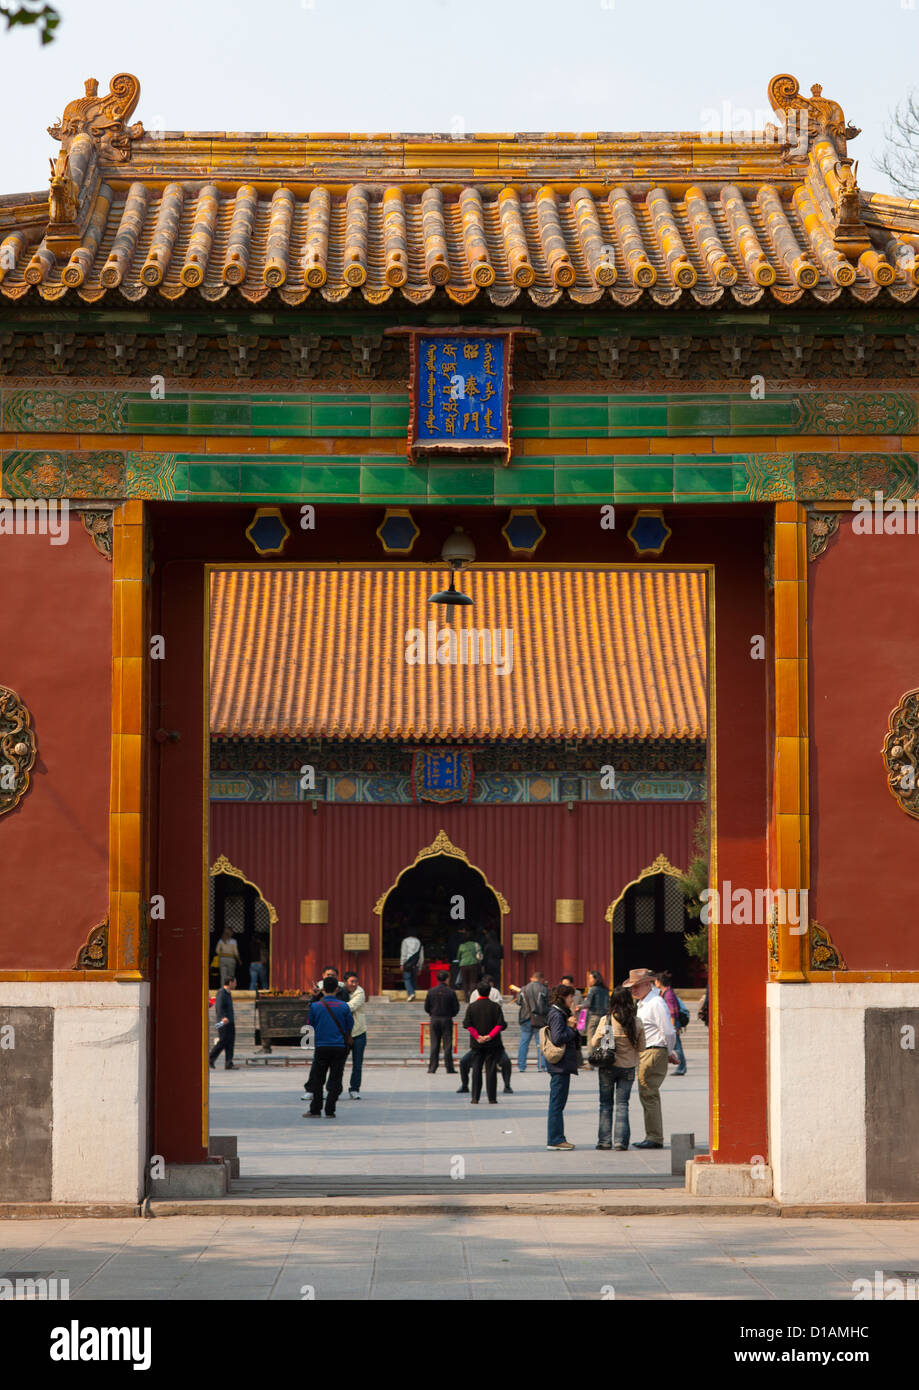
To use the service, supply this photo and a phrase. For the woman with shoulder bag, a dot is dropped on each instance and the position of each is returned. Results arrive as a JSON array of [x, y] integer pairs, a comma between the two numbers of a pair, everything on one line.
[[624, 1028], [559, 1041]]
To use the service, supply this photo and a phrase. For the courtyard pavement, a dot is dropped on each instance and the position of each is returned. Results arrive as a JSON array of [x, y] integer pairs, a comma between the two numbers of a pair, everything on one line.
[[435, 1258], [411, 1132]]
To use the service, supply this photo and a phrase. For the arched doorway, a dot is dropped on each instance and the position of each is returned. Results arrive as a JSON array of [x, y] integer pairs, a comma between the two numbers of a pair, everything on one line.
[[649, 921], [434, 898], [237, 903]]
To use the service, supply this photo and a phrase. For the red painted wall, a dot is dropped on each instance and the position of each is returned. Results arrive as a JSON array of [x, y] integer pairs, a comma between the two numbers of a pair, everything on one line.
[[864, 647], [532, 855], [56, 653]]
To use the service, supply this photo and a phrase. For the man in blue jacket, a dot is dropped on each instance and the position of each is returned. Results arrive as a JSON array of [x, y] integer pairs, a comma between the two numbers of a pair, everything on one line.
[[331, 1021]]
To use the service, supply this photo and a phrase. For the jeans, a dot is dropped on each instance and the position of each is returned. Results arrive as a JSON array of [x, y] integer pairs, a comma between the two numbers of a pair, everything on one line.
[[528, 1031], [558, 1098], [258, 975], [486, 1057], [226, 1038], [408, 979], [678, 1049], [441, 1034], [615, 1082], [357, 1061], [327, 1061]]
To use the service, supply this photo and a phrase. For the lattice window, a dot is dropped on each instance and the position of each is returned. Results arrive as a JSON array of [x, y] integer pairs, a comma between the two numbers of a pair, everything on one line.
[[619, 917], [262, 922], [674, 905], [644, 914], [234, 913]]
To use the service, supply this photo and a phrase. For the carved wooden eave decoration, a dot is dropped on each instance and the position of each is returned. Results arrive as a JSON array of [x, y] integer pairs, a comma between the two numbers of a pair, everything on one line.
[[17, 749], [93, 954], [661, 865], [222, 865], [104, 119], [901, 754], [440, 845], [97, 523], [821, 527], [824, 954]]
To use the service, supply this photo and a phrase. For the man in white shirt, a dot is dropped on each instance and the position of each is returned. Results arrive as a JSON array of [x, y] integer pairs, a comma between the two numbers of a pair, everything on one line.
[[660, 1041], [411, 959], [494, 995]]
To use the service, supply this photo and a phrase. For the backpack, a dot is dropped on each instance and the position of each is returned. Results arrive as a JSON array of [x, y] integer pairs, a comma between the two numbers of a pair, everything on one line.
[[541, 1005], [682, 1018], [412, 961]]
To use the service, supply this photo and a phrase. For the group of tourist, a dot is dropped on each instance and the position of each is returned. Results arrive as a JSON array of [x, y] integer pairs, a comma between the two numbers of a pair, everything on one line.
[[629, 1031], [633, 1029]]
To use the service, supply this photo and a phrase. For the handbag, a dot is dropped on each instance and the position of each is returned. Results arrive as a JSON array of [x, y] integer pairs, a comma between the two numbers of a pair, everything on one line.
[[603, 1053], [349, 1040], [552, 1051]]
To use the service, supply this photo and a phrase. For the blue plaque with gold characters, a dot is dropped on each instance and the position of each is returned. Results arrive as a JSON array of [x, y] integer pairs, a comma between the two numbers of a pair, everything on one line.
[[442, 774], [460, 392]]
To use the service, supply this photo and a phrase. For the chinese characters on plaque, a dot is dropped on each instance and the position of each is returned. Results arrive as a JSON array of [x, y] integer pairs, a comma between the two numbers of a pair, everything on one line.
[[460, 393], [442, 774]]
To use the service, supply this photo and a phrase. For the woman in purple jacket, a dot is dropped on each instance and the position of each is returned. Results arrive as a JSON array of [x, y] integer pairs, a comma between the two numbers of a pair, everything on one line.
[[562, 1025]]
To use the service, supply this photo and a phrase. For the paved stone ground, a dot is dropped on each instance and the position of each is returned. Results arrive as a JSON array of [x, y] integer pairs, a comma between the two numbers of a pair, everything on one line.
[[409, 1128], [445, 1257]]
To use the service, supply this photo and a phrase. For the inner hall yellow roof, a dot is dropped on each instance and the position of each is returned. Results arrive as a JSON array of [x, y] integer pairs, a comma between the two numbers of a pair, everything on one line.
[[321, 653]]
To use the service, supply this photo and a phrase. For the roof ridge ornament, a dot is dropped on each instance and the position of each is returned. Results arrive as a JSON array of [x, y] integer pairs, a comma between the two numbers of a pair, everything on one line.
[[104, 118], [807, 119]]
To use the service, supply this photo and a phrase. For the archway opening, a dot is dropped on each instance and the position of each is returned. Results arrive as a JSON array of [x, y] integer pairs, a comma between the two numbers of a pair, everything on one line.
[[433, 901], [649, 927], [236, 903]]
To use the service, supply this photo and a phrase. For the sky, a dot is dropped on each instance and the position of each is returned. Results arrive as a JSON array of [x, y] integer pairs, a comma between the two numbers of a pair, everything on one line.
[[457, 66]]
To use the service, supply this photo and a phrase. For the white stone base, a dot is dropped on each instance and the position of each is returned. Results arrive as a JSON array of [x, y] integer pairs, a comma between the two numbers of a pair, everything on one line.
[[99, 1085], [817, 1139], [728, 1179], [192, 1180]]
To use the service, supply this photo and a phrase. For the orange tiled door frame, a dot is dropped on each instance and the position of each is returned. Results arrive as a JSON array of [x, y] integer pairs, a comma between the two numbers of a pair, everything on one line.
[[126, 808], [790, 829]]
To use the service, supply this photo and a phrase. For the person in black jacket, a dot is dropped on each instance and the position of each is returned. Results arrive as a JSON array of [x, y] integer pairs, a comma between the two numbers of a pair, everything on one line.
[[562, 1031], [492, 954], [226, 1025], [443, 1006], [341, 992], [485, 1022]]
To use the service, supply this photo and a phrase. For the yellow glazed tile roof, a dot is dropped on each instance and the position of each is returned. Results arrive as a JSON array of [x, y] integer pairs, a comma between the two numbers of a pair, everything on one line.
[[314, 653], [595, 217]]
